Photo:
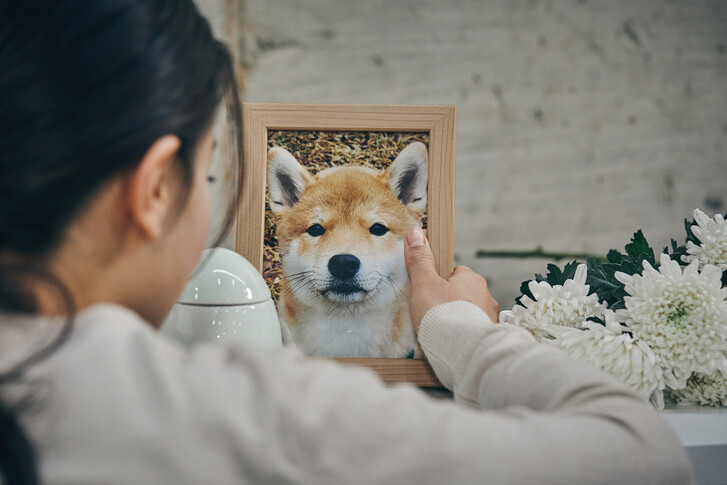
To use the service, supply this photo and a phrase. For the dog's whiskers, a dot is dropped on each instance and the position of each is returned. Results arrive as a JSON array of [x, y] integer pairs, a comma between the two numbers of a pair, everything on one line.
[[351, 312], [390, 281], [300, 273]]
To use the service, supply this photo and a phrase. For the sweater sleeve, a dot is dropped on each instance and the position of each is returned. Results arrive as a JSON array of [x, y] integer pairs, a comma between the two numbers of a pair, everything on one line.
[[542, 418]]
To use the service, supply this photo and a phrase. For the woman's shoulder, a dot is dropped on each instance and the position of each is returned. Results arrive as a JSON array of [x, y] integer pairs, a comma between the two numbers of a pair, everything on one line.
[[117, 388], [113, 343], [105, 328], [113, 354], [116, 372]]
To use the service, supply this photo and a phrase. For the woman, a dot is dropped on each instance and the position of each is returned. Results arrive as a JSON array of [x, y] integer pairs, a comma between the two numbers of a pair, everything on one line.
[[105, 147]]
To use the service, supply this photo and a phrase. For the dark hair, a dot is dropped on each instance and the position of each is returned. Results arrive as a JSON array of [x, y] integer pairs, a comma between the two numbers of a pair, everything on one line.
[[86, 87]]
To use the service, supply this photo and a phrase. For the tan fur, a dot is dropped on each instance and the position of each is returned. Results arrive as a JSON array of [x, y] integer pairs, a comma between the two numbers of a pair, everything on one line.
[[346, 197], [397, 326], [291, 303]]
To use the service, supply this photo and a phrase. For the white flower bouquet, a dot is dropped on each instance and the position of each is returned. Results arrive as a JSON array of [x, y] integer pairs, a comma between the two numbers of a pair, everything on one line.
[[657, 324]]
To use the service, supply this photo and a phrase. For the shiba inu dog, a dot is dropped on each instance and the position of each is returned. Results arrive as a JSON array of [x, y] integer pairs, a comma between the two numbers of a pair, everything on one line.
[[345, 291]]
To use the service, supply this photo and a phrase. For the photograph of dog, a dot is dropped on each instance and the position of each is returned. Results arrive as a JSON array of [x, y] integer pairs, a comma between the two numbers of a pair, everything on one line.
[[344, 289]]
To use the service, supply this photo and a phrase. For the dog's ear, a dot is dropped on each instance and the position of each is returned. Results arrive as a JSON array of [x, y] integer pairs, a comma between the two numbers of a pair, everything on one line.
[[286, 179], [408, 176]]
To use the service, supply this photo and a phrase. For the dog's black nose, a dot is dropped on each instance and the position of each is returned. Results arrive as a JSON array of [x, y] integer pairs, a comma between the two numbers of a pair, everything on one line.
[[344, 266]]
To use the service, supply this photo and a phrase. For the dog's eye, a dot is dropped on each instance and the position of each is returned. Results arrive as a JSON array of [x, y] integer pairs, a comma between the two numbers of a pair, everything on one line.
[[378, 229], [316, 230]]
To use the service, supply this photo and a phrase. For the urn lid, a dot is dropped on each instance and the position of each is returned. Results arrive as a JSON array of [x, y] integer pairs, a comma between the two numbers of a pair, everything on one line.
[[224, 277]]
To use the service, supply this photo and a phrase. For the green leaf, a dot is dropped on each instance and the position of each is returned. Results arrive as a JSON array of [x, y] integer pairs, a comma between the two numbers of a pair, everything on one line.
[[554, 277], [677, 252], [690, 235], [596, 320], [569, 271], [602, 277], [603, 282], [613, 257], [630, 267], [638, 249], [554, 274], [557, 277], [525, 290]]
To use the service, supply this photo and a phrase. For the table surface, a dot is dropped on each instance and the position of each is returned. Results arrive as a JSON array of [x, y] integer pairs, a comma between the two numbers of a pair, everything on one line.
[[698, 425], [703, 432]]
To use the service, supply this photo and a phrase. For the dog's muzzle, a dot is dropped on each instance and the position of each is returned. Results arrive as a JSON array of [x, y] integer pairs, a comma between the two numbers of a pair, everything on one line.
[[343, 269]]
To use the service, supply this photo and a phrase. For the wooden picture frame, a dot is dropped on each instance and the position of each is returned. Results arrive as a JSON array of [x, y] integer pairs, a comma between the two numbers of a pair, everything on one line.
[[438, 121]]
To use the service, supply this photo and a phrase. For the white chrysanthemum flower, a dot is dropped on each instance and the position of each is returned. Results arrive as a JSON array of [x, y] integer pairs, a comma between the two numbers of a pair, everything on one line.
[[617, 353], [705, 390], [568, 305], [681, 316], [712, 234]]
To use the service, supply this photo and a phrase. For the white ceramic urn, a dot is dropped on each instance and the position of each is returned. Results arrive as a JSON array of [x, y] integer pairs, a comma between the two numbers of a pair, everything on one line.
[[225, 301]]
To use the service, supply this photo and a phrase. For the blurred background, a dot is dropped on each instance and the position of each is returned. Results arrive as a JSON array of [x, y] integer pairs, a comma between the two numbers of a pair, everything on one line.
[[579, 121]]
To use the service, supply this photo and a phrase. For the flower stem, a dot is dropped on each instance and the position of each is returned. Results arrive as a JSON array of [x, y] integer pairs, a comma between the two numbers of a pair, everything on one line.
[[538, 252]]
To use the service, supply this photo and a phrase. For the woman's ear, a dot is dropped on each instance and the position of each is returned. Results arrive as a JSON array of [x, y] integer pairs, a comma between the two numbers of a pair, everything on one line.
[[151, 187]]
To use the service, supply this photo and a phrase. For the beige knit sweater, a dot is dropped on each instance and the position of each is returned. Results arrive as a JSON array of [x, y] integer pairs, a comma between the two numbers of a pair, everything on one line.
[[117, 403]]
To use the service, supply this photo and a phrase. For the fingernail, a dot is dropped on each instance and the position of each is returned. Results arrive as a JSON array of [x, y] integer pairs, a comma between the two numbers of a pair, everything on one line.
[[416, 238]]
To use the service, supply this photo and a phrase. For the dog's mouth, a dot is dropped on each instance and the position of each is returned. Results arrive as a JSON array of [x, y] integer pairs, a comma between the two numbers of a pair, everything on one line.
[[344, 292]]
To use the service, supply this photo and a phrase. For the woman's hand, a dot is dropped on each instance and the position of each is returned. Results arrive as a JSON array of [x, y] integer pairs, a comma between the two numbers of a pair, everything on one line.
[[428, 289]]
